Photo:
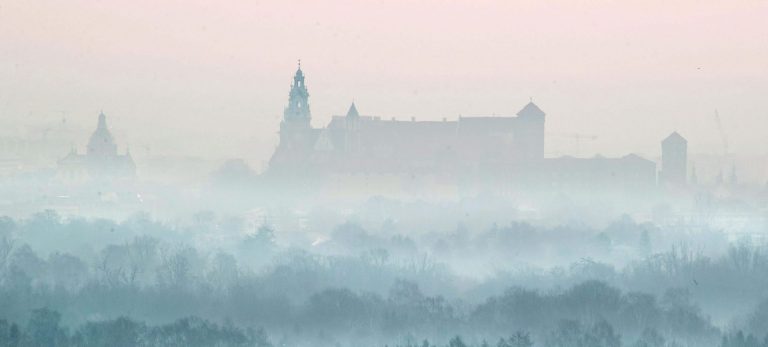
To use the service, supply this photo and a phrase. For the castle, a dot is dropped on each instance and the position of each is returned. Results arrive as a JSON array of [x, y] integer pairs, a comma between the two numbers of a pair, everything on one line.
[[356, 143], [497, 150]]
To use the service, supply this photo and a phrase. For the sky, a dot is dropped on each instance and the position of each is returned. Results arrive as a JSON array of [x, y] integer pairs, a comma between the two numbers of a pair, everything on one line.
[[211, 78]]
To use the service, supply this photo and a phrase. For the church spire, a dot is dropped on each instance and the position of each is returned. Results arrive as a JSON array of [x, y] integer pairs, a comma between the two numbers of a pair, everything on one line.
[[298, 99], [102, 123]]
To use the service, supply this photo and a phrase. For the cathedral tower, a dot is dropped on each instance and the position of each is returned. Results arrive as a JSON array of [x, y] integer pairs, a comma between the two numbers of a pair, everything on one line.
[[297, 110], [295, 129], [297, 138]]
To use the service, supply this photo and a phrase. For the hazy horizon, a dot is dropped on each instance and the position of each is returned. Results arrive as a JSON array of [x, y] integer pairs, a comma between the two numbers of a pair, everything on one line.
[[189, 78], [208, 206]]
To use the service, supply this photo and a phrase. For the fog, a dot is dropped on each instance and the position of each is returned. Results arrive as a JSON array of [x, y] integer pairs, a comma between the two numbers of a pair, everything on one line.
[[355, 173], [202, 79], [376, 286]]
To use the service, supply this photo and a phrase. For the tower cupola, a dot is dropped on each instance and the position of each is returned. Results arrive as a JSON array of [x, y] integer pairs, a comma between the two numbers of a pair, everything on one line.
[[298, 100]]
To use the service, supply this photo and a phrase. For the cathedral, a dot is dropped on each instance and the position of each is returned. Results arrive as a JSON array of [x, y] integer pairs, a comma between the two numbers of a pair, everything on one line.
[[100, 160], [358, 144]]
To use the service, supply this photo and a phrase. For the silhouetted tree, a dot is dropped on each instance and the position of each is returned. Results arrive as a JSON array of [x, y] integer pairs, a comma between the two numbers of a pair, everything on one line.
[[43, 329], [520, 339], [121, 332], [456, 342]]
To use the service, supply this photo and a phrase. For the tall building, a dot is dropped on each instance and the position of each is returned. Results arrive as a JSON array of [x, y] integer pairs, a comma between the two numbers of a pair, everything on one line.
[[297, 111], [101, 159], [674, 160], [296, 134]]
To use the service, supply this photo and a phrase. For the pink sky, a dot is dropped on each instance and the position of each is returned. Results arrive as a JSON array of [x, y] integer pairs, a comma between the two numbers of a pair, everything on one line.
[[212, 77]]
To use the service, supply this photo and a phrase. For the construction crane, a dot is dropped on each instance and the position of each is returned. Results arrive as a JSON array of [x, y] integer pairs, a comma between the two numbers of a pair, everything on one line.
[[722, 133]]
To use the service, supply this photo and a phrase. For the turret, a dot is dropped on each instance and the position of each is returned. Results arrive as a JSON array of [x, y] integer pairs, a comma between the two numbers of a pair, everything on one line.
[[351, 135], [529, 132], [674, 159]]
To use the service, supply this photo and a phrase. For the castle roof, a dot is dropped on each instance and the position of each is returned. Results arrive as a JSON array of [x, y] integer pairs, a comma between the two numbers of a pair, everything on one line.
[[353, 111], [674, 138], [531, 110], [634, 158]]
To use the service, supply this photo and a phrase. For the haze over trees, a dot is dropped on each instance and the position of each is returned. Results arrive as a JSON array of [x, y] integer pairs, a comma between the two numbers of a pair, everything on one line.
[[80, 282]]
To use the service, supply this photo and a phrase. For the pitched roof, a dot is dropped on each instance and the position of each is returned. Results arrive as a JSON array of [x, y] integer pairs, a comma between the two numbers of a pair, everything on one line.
[[353, 111], [674, 137], [635, 158], [531, 110]]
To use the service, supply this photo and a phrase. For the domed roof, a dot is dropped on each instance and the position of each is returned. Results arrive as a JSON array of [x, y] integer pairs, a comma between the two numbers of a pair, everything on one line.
[[101, 140]]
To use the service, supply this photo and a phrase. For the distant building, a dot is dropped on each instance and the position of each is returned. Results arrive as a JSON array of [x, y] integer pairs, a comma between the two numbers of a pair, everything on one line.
[[496, 153], [628, 173], [29, 148], [356, 143], [100, 161], [674, 160]]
